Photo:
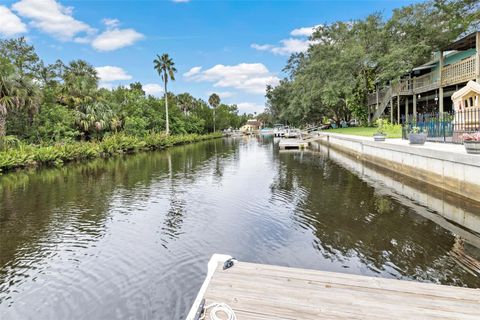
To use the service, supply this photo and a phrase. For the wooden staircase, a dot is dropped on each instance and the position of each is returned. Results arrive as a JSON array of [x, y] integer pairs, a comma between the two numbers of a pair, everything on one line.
[[383, 104]]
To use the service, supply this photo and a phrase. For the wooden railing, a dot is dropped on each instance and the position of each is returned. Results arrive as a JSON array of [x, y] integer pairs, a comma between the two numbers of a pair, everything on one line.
[[459, 72], [426, 82]]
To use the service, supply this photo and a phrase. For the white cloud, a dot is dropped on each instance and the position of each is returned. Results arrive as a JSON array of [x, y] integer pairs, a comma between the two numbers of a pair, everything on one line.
[[111, 73], [153, 89], [52, 18], [111, 23], [249, 107], [291, 45], [248, 77], [11, 24], [303, 32], [114, 39], [192, 72], [262, 47]]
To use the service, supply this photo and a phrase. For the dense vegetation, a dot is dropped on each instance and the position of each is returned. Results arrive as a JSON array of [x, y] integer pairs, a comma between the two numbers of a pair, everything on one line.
[[347, 60], [20, 155], [52, 113], [62, 102]]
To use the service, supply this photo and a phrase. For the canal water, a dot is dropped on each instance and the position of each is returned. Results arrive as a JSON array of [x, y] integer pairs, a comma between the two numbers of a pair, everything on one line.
[[130, 237]]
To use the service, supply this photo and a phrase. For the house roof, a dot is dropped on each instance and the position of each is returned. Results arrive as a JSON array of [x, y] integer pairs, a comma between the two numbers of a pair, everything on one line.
[[464, 43], [253, 122], [470, 86]]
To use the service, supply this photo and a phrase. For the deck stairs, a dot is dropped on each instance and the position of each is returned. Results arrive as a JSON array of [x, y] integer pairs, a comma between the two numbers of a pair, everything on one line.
[[383, 104]]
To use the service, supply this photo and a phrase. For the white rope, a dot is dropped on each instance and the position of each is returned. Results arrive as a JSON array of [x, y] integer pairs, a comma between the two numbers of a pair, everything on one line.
[[219, 308]]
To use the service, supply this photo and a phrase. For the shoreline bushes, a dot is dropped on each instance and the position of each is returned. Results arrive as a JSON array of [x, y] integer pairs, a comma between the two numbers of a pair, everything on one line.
[[31, 156]]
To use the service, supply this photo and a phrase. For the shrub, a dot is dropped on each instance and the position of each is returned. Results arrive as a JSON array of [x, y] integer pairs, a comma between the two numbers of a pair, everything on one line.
[[55, 155]]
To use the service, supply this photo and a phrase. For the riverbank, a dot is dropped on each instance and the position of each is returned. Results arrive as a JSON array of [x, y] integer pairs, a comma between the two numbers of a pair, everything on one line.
[[31, 156], [445, 166]]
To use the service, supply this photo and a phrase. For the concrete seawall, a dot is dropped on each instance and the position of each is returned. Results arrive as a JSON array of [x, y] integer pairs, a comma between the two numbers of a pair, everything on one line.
[[443, 166]]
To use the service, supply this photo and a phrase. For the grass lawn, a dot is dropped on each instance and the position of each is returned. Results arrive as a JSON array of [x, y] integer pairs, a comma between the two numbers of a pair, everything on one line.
[[393, 131]]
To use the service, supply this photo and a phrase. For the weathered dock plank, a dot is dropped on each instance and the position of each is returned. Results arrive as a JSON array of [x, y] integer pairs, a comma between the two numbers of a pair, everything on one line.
[[264, 292]]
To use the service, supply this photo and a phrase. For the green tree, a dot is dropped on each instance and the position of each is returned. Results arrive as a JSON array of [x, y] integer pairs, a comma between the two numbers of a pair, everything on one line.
[[165, 67], [16, 92], [214, 101], [186, 102], [80, 82]]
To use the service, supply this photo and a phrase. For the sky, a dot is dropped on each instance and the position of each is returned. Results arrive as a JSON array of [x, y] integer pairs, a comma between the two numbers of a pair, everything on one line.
[[232, 48]]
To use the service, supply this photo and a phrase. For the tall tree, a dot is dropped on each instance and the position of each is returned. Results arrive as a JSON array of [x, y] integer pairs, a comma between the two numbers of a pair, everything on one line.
[[214, 101], [80, 82], [165, 67], [16, 92], [186, 102]]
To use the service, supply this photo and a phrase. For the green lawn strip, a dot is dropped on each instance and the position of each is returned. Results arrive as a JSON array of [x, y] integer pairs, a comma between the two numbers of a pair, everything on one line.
[[392, 131]]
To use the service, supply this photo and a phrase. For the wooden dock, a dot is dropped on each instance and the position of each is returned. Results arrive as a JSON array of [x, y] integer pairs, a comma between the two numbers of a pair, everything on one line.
[[264, 292], [285, 144]]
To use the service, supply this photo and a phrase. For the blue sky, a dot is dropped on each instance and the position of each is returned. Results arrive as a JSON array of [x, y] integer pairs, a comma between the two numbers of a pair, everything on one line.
[[233, 48]]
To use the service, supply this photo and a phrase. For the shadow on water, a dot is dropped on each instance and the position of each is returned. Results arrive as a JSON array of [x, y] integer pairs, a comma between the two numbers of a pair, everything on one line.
[[129, 237]]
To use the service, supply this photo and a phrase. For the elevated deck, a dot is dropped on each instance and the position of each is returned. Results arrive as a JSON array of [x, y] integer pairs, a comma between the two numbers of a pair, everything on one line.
[[256, 291]]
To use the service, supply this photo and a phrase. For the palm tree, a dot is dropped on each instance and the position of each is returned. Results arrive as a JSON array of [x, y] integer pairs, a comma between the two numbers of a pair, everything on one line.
[[16, 92], [185, 101], [214, 101], [166, 69], [7, 100], [80, 81]]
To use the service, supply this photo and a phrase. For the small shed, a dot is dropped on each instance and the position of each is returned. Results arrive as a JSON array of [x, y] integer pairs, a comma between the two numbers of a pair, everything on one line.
[[466, 103], [467, 98]]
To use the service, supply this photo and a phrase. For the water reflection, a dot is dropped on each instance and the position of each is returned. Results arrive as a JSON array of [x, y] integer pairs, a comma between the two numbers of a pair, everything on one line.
[[129, 237]]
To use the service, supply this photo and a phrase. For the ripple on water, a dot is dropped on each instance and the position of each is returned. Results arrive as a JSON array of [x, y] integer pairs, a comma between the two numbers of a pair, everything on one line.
[[134, 242]]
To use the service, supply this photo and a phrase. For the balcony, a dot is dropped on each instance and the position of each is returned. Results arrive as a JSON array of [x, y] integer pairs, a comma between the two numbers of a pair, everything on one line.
[[459, 72]]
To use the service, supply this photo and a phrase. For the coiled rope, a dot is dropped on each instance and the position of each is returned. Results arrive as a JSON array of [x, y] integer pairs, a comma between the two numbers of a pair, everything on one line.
[[218, 308]]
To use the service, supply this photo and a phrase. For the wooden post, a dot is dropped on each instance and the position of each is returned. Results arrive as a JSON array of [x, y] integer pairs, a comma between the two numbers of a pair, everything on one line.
[[406, 109], [398, 109], [391, 109], [440, 90], [414, 113], [477, 60]]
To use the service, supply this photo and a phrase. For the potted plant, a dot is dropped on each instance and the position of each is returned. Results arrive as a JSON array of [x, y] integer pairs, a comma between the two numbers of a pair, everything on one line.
[[417, 135], [380, 134], [471, 141]]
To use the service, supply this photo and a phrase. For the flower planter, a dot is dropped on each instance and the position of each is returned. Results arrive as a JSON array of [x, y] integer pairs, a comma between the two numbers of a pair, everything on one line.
[[379, 137], [417, 138], [472, 146]]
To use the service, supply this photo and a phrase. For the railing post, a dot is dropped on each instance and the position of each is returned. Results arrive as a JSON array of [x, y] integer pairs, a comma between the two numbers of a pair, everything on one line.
[[440, 90], [391, 109], [477, 57], [406, 109], [414, 106], [398, 109]]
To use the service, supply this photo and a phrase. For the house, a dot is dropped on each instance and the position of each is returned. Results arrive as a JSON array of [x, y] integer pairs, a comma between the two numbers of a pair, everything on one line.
[[427, 88], [252, 126]]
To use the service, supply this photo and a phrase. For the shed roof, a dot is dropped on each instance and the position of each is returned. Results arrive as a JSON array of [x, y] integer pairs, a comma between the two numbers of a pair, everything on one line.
[[470, 86]]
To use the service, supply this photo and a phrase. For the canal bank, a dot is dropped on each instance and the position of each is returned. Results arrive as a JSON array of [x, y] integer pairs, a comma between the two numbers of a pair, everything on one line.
[[447, 167]]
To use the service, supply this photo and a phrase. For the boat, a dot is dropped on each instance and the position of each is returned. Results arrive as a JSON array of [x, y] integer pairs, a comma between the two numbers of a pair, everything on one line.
[[279, 130], [293, 133], [266, 131]]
